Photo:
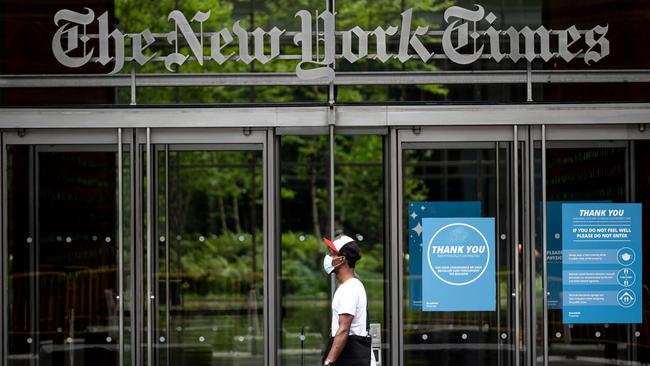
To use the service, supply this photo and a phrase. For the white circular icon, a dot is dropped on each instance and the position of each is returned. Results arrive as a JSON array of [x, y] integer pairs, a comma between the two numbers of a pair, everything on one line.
[[626, 298], [625, 256], [626, 277], [484, 265]]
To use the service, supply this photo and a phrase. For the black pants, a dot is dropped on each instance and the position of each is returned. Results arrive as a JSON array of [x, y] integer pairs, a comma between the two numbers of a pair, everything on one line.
[[355, 353]]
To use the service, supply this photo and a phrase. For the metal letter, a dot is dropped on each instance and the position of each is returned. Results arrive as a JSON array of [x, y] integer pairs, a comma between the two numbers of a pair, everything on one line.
[[258, 37], [591, 42], [462, 38], [404, 35], [303, 38], [564, 43], [495, 42], [242, 34], [529, 37], [325, 71], [405, 39], [196, 44], [362, 36], [72, 34], [380, 34], [118, 38], [216, 46], [138, 56], [514, 53]]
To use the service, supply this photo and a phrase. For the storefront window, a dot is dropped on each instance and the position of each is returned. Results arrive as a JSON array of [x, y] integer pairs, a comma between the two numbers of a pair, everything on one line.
[[63, 255], [463, 183], [305, 289], [599, 172], [210, 256]]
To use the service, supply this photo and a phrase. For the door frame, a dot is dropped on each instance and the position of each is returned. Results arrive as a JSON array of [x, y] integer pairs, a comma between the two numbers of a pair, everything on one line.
[[142, 140], [55, 140], [444, 137], [259, 139], [572, 136], [546, 122]]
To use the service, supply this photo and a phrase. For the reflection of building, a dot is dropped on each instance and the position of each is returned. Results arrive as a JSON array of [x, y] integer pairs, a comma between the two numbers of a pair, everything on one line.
[[197, 239]]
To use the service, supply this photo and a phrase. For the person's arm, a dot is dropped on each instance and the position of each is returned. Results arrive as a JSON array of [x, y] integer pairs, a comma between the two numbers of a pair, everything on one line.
[[341, 337]]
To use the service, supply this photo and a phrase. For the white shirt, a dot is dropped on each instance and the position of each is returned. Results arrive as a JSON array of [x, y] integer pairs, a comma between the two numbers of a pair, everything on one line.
[[350, 298]]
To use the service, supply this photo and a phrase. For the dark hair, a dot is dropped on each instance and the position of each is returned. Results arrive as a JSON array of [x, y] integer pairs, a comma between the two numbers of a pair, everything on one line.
[[351, 252]]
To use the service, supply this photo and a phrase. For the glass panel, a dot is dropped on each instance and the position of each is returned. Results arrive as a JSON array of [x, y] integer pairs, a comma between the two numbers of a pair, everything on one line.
[[63, 255], [360, 213], [457, 182], [305, 290], [27, 29], [209, 265], [592, 92], [603, 172]]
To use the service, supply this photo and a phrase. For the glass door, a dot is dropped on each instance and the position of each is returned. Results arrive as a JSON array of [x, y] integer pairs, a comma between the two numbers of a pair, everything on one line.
[[462, 245], [596, 312], [64, 247], [208, 258]]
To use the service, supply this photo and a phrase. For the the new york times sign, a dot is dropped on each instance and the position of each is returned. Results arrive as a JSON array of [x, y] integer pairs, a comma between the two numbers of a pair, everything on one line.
[[72, 47]]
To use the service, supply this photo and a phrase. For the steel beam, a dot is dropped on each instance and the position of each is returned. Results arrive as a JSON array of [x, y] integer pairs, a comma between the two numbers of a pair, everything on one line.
[[523, 76]]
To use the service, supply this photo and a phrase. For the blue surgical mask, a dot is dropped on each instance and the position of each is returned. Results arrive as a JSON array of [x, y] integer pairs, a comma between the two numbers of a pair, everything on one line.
[[327, 264]]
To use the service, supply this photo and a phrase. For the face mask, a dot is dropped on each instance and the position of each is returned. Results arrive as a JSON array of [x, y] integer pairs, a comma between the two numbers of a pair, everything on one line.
[[327, 264]]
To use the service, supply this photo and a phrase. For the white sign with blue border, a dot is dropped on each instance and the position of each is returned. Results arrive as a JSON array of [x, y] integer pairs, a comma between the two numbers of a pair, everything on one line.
[[602, 264], [458, 272]]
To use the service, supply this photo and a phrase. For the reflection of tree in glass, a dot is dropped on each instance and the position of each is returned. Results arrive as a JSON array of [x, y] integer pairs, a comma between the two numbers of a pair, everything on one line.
[[134, 16]]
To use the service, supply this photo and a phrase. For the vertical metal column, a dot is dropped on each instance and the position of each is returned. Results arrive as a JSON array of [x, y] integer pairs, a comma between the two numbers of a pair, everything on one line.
[[531, 247], [332, 146], [544, 255], [496, 249], [168, 327], [529, 82], [386, 316], [149, 254], [632, 340], [136, 243], [270, 222], [4, 252], [395, 264], [120, 248], [515, 239], [154, 258], [525, 243], [34, 231], [331, 114], [133, 83]]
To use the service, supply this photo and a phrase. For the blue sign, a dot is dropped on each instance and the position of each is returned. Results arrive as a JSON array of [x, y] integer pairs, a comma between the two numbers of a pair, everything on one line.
[[418, 211], [554, 251], [602, 263], [458, 271]]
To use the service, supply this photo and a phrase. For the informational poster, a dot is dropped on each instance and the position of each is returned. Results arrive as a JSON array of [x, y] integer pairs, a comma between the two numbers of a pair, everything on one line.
[[602, 264], [554, 250], [458, 272], [554, 253], [418, 211]]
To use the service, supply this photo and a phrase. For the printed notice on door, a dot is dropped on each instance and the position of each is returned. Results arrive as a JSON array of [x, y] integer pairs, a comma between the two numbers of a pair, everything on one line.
[[601, 266], [458, 264], [417, 212]]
